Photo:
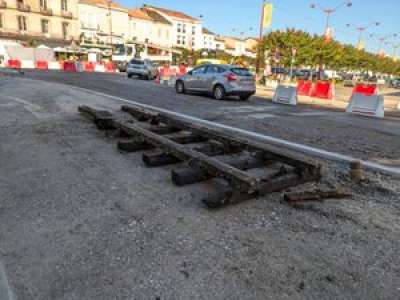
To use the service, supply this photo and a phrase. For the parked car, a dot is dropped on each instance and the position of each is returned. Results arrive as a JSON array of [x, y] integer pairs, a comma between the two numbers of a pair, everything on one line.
[[219, 81], [395, 83], [143, 68]]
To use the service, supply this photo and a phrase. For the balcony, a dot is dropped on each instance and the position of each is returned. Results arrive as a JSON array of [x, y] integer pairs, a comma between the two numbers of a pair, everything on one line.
[[3, 4], [23, 7], [46, 11], [66, 14]]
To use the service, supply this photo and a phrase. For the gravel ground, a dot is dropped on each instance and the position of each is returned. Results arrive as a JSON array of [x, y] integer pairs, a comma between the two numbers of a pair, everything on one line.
[[79, 220]]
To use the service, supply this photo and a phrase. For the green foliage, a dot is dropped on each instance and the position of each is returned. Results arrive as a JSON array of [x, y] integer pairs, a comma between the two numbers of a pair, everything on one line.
[[314, 51]]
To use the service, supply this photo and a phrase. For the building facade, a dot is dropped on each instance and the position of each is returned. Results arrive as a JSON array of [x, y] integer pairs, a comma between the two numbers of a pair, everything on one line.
[[103, 22], [209, 39], [147, 26], [186, 30], [235, 46], [49, 22]]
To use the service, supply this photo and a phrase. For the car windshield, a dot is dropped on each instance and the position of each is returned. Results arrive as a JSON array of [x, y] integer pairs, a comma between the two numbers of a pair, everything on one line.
[[137, 62], [241, 71]]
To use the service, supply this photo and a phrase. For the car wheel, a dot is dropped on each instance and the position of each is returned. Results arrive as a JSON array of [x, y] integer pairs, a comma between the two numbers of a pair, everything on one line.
[[180, 87], [219, 92], [129, 75], [244, 97]]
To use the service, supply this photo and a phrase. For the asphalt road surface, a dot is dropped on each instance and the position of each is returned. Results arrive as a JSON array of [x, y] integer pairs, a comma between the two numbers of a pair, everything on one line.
[[362, 137], [80, 220]]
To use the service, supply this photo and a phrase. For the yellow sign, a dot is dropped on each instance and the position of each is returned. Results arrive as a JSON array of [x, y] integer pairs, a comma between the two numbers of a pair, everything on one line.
[[267, 15], [361, 45]]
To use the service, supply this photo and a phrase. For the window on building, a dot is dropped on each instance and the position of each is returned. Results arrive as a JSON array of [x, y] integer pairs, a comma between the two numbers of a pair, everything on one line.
[[22, 23], [65, 30], [184, 28], [45, 26], [179, 27], [193, 30], [64, 5], [1, 21], [43, 4]]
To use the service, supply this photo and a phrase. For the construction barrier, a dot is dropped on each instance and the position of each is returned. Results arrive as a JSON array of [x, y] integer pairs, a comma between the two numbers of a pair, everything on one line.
[[27, 64], [41, 65], [367, 90], [99, 68], [14, 63], [109, 67], [285, 95], [323, 90], [55, 65], [89, 66], [69, 66], [372, 106], [304, 87]]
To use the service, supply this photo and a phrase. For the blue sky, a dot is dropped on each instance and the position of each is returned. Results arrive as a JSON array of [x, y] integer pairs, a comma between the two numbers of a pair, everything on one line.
[[222, 16]]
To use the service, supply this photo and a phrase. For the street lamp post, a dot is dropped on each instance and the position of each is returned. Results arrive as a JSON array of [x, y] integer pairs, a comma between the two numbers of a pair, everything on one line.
[[382, 40], [361, 30], [330, 11]]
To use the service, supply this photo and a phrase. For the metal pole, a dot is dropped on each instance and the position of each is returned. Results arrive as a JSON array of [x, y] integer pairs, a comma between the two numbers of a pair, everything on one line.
[[258, 62]]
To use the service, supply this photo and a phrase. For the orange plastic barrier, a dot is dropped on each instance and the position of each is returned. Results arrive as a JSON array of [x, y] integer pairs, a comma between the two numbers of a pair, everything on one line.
[[89, 66], [41, 65], [304, 87], [14, 63], [323, 90], [367, 90], [69, 66]]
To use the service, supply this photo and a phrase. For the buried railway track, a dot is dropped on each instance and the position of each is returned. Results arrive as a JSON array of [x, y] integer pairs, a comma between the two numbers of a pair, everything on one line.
[[246, 168]]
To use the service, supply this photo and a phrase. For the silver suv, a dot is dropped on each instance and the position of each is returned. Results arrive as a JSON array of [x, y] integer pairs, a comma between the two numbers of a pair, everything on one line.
[[143, 68], [219, 81]]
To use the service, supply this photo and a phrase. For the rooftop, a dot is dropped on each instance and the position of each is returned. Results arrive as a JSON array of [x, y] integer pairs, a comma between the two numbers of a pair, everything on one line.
[[101, 3], [206, 31], [171, 13]]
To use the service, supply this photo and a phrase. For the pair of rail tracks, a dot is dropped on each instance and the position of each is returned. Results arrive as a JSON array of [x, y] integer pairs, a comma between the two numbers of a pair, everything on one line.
[[246, 168]]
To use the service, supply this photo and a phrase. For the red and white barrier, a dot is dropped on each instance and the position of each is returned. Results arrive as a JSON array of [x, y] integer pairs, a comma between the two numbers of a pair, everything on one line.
[[27, 64], [55, 65], [367, 90], [69, 66], [41, 65], [14, 63], [372, 106], [89, 66], [285, 95], [304, 87], [323, 90]]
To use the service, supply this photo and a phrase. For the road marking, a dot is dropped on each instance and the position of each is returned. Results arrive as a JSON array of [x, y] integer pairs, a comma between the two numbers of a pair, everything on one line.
[[260, 137], [261, 116], [5, 291], [246, 109], [309, 114]]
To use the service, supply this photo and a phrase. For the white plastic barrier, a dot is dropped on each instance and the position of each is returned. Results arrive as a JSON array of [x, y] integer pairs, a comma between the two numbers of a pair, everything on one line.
[[398, 106], [54, 65], [27, 64], [373, 106], [286, 95]]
